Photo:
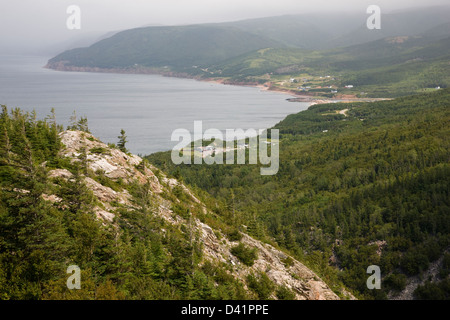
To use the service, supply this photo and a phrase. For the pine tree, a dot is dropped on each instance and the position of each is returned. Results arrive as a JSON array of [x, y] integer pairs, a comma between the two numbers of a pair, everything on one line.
[[82, 125], [73, 121], [122, 141]]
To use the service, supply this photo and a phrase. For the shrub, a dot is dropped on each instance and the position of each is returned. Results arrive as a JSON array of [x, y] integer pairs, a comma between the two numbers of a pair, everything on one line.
[[261, 285], [395, 281], [284, 293], [246, 255], [234, 235], [99, 150]]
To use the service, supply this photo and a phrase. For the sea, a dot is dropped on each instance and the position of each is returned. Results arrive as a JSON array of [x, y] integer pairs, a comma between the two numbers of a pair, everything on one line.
[[148, 107]]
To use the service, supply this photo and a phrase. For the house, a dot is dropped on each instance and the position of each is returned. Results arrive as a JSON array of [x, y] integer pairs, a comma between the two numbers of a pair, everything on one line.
[[349, 86]]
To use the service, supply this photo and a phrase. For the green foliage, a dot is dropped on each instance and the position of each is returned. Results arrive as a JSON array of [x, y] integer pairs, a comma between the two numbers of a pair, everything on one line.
[[122, 141], [288, 261], [117, 185], [284, 293], [433, 291], [99, 150], [383, 178], [81, 124], [395, 281], [445, 270], [234, 235], [140, 256], [262, 286], [382, 68], [272, 50], [154, 47], [246, 255]]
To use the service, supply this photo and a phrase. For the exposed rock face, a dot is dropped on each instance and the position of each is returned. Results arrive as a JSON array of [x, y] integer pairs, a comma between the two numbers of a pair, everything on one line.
[[216, 247], [114, 163], [62, 173], [106, 194]]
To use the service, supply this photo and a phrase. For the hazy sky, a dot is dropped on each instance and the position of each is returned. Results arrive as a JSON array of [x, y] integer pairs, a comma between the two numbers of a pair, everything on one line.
[[42, 23]]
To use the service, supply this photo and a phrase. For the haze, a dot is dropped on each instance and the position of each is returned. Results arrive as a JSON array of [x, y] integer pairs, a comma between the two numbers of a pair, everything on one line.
[[39, 26]]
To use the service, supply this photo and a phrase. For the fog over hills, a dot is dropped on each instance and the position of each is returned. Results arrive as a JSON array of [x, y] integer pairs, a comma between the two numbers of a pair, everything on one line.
[[39, 26], [182, 48]]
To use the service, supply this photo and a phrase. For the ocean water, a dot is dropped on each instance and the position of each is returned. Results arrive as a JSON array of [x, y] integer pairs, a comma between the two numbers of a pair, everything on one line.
[[148, 107]]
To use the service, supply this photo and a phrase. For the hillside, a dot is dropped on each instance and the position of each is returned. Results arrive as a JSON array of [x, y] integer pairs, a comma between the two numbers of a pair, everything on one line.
[[390, 67], [407, 22], [359, 184], [68, 199], [173, 48], [322, 31], [397, 61]]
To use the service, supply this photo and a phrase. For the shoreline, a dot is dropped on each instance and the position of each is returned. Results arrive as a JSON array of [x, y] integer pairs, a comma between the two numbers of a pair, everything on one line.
[[296, 97]]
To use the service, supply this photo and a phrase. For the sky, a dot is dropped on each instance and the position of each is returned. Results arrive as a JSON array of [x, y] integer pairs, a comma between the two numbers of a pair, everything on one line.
[[40, 25]]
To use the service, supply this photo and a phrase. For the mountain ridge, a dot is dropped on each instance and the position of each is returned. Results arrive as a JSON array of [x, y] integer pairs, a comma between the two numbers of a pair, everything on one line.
[[133, 231], [235, 53], [306, 284]]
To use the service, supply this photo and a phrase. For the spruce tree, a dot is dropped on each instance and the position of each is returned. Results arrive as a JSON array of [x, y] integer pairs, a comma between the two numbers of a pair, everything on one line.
[[122, 141], [72, 121]]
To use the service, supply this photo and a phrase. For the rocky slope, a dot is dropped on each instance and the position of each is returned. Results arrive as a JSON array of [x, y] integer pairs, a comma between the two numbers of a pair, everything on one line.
[[117, 165]]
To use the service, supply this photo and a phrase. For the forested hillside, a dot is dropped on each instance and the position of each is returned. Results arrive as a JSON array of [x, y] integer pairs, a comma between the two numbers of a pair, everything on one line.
[[174, 48], [317, 55], [67, 199], [359, 184], [390, 67]]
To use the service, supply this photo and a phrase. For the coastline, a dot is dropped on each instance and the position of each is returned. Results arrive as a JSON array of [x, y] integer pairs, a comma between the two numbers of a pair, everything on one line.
[[296, 97]]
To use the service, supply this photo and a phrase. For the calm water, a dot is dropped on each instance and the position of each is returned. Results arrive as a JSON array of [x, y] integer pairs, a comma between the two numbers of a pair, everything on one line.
[[147, 107]]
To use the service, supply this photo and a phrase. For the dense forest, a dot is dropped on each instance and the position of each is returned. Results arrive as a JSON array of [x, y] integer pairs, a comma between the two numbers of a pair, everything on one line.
[[359, 184]]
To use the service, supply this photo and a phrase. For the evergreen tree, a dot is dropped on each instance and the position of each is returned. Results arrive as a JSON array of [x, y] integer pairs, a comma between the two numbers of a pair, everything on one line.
[[82, 125], [122, 141], [72, 121]]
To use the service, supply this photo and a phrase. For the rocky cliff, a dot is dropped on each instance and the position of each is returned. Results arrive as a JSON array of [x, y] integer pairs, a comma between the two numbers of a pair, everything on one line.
[[126, 168]]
